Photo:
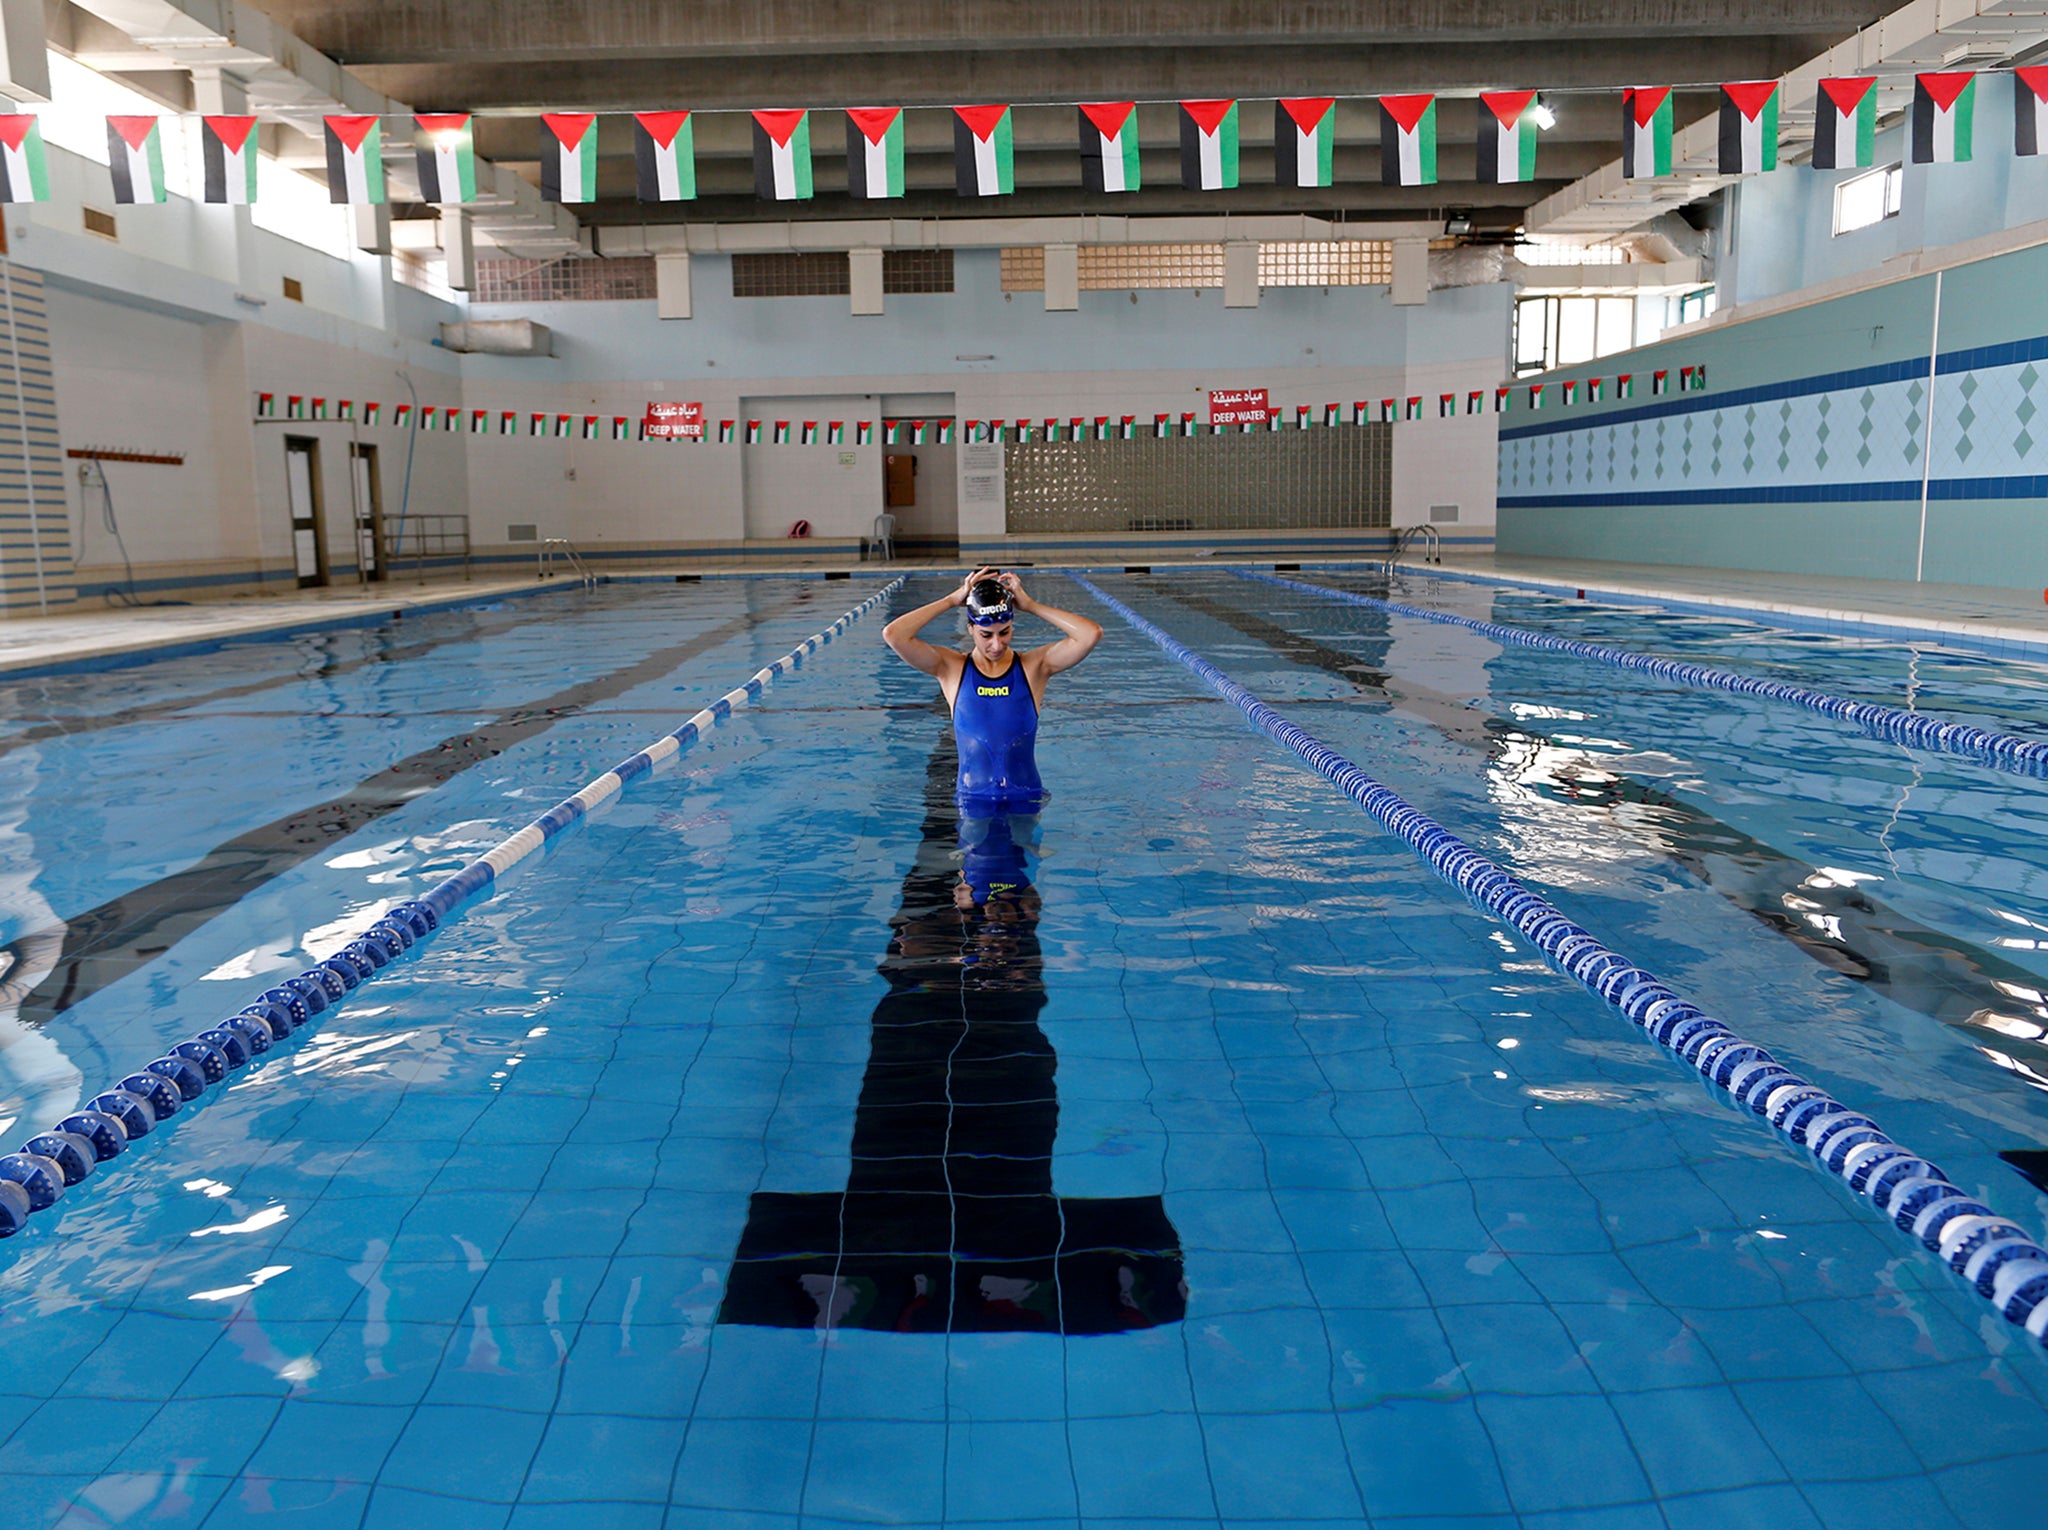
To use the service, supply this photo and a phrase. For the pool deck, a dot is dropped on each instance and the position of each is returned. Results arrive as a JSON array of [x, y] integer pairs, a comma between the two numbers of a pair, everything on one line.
[[2013, 622]]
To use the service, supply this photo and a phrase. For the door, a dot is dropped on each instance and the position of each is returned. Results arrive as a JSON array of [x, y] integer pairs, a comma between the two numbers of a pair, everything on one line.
[[369, 509], [309, 525]]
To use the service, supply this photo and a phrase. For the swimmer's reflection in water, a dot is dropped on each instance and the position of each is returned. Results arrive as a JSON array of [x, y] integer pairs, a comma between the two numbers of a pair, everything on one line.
[[949, 1221]]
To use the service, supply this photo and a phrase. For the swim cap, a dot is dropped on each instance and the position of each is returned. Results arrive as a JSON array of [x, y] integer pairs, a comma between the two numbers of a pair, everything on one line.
[[988, 604]]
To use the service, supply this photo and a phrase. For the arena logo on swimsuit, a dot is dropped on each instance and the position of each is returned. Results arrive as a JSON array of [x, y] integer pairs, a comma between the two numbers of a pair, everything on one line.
[[991, 690]]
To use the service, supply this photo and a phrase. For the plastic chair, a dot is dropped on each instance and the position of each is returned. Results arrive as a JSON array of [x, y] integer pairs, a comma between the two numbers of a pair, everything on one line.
[[882, 541]]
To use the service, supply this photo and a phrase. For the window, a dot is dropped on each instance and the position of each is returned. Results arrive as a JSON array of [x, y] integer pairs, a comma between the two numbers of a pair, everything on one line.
[[1536, 250], [1871, 198], [293, 291], [1695, 305], [1135, 267], [906, 271], [822, 273], [101, 223], [1566, 331], [81, 100]]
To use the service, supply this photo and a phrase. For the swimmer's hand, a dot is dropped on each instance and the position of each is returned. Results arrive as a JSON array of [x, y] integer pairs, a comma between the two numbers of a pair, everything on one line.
[[959, 596], [1015, 586]]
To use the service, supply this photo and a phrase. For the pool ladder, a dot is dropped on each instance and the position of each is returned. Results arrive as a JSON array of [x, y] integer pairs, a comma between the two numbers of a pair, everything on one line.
[[554, 549], [1408, 536]]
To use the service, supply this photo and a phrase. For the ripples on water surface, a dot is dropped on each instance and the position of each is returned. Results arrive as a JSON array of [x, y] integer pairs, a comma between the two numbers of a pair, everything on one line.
[[1235, 1172]]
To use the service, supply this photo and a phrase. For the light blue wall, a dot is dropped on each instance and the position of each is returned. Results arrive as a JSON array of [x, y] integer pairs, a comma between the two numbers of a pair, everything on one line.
[[1811, 450], [1781, 232]]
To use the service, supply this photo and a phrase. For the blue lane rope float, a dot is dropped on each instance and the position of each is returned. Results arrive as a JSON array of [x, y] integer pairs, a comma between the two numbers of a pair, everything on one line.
[[1996, 1256], [2022, 756], [36, 1176]]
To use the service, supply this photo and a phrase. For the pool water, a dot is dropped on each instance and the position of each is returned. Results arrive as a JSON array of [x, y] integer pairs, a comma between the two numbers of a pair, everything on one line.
[[1198, 1158]]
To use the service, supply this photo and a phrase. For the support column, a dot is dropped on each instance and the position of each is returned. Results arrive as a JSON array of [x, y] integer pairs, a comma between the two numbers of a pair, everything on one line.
[[865, 267], [672, 284], [1062, 278], [1411, 272], [1241, 274], [458, 249]]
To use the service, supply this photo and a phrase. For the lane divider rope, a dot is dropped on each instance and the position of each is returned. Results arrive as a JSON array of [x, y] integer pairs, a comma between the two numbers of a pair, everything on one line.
[[1996, 1256], [36, 1177], [2022, 756]]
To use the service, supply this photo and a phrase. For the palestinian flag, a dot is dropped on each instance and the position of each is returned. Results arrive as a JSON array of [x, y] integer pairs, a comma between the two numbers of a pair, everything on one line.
[[401, 415], [426, 414], [917, 432], [1390, 410], [1595, 386], [874, 152], [371, 409], [1943, 105], [1660, 383], [135, 155], [1188, 427], [1845, 123], [1109, 146], [355, 160], [1503, 400], [1447, 406], [864, 433], [1685, 379], [1274, 421], [2030, 110], [1162, 425], [725, 432], [536, 424], [228, 147], [451, 420], [295, 406], [752, 435], [998, 432], [1475, 401], [565, 424], [1507, 136], [446, 156], [665, 156], [782, 156], [1645, 132], [945, 432], [568, 156], [590, 422], [1415, 407], [319, 408], [1127, 427], [24, 172], [1332, 415], [983, 153], [266, 406], [1625, 385], [1699, 377], [622, 428], [781, 436], [1749, 127], [1535, 395], [1568, 392], [835, 432], [892, 432], [479, 422], [1208, 145], [1408, 140], [1305, 141], [810, 433]]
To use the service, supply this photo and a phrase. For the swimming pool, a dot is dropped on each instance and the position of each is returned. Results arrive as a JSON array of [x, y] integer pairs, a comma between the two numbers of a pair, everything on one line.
[[721, 1170]]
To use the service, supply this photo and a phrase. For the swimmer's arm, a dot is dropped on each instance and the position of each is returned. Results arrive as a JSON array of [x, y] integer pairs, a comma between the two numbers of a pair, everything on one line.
[[1081, 635], [902, 634]]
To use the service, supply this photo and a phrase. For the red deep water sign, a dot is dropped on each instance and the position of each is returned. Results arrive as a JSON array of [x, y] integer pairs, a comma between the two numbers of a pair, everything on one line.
[[673, 420], [1239, 406]]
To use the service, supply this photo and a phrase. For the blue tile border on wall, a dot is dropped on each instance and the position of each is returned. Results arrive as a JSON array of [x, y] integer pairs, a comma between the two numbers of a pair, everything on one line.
[[2034, 486]]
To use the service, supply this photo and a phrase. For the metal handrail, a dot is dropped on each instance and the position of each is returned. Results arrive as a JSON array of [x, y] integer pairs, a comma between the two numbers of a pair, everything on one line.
[[552, 548], [428, 536], [1426, 534]]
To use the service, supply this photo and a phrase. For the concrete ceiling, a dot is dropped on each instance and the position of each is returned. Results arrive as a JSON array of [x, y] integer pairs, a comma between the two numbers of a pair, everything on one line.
[[510, 58]]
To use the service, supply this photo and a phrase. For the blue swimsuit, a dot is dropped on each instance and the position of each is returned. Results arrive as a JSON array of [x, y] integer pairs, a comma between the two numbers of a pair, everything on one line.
[[995, 725]]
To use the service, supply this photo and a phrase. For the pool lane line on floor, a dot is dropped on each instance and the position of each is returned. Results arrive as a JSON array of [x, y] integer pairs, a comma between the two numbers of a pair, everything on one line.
[[1996, 1256], [36, 1176], [131, 929], [2005, 751]]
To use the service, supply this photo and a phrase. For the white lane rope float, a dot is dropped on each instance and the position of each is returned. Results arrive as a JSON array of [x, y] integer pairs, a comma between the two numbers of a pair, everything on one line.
[[1995, 1255], [2023, 756], [36, 1177]]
